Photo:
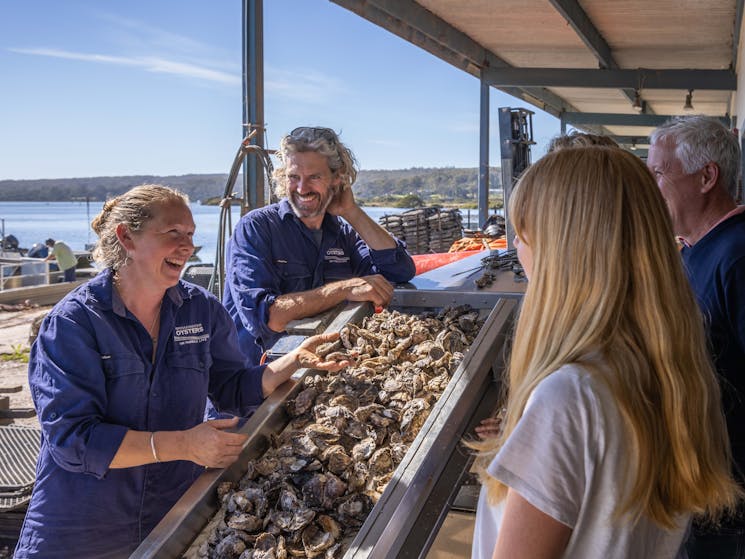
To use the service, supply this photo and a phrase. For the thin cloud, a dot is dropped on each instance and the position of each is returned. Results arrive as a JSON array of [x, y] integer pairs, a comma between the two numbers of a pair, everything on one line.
[[155, 36], [386, 143], [135, 35], [308, 87], [147, 63], [466, 127]]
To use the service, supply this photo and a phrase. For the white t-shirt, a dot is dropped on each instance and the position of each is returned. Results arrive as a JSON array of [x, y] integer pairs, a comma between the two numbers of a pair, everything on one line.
[[567, 457]]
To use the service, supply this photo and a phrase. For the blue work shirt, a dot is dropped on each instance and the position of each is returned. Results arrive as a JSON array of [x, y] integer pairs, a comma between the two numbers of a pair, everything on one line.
[[272, 253], [92, 379]]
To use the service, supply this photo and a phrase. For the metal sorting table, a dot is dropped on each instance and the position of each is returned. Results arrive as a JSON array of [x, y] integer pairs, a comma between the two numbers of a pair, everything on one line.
[[460, 276], [416, 501]]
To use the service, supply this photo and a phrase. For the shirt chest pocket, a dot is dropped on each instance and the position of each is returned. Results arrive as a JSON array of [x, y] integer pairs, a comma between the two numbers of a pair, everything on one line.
[[296, 276], [198, 363], [187, 383], [119, 366], [127, 386], [337, 269]]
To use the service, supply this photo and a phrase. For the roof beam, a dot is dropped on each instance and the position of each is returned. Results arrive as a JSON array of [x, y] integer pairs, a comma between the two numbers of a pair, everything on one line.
[[419, 26], [736, 30], [615, 119], [641, 139], [593, 40], [721, 80], [586, 30]]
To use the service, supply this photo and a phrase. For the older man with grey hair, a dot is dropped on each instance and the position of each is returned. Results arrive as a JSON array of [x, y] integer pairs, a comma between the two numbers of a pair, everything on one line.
[[696, 162]]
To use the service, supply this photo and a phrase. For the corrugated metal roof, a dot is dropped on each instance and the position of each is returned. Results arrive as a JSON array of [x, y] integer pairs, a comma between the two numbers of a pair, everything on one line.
[[597, 35]]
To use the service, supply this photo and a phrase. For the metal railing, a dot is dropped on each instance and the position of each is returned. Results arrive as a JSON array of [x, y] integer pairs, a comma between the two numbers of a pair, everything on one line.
[[26, 272]]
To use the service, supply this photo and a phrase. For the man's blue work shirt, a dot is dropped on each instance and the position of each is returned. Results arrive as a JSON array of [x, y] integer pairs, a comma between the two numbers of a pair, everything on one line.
[[92, 379], [272, 253]]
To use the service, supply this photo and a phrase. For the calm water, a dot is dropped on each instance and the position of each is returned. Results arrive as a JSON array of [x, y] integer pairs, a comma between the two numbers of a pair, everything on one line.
[[34, 222]]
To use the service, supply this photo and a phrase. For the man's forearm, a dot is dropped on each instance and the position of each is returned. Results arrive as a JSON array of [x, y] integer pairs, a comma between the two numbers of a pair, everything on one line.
[[302, 304]]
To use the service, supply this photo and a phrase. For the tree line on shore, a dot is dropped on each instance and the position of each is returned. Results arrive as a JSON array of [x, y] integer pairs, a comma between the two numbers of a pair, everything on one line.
[[397, 188]]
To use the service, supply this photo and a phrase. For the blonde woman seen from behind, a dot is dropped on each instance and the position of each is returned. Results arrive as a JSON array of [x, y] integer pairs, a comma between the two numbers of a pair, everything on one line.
[[613, 435]]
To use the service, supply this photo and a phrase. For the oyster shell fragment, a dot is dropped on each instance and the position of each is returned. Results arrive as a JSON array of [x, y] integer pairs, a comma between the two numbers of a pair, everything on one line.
[[313, 488]]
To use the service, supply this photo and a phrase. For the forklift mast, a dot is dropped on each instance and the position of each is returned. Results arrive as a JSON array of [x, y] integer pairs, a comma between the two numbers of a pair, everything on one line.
[[515, 139]]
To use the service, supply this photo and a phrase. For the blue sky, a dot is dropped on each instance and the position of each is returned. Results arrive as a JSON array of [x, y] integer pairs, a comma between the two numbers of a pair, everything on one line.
[[92, 88]]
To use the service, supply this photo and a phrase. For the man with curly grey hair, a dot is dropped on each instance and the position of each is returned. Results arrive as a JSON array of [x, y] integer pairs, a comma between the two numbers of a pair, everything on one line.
[[312, 250], [696, 161]]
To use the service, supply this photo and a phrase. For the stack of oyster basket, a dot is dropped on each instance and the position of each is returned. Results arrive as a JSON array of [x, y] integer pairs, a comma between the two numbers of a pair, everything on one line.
[[425, 230]]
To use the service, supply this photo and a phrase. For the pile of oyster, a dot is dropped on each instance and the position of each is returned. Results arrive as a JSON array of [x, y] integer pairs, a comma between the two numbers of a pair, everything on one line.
[[308, 495]]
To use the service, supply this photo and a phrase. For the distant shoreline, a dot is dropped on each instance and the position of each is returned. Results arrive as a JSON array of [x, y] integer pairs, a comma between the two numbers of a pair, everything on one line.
[[405, 188]]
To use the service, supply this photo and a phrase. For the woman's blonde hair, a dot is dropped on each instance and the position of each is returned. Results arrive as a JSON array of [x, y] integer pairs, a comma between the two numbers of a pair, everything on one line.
[[607, 280], [134, 209], [577, 139]]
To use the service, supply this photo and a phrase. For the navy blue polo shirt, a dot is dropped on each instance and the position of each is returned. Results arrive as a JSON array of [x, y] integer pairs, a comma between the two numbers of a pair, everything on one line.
[[92, 379], [716, 269]]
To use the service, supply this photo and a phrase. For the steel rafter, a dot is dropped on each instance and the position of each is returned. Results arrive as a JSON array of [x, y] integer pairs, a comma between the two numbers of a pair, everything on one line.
[[640, 140], [616, 119], [721, 80], [591, 37], [419, 26], [736, 30]]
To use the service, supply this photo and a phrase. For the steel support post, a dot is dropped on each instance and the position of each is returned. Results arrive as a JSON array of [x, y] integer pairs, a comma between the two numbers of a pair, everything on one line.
[[484, 153], [253, 101]]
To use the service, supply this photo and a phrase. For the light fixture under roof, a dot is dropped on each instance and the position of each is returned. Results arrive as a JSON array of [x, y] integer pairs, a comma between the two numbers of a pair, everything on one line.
[[689, 101], [637, 106]]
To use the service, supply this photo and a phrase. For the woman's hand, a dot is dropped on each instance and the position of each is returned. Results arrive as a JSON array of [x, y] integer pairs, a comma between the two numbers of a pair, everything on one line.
[[306, 357], [210, 444], [281, 369], [489, 428]]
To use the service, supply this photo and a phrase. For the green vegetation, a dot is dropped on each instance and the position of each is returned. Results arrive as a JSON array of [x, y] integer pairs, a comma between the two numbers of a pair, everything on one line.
[[404, 188], [197, 187], [18, 353], [409, 188]]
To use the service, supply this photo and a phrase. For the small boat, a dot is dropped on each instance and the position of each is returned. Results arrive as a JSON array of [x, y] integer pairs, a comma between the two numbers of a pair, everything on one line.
[[9, 246], [22, 269]]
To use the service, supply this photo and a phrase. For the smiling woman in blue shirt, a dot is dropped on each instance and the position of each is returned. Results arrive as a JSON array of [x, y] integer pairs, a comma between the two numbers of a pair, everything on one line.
[[312, 250], [120, 374]]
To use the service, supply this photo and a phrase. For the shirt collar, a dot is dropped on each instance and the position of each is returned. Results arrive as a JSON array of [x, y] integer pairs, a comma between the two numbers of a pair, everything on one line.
[[101, 290], [330, 222], [736, 211]]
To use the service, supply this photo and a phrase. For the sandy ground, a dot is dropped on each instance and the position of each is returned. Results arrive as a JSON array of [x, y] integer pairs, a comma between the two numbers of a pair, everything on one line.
[[15, 327]]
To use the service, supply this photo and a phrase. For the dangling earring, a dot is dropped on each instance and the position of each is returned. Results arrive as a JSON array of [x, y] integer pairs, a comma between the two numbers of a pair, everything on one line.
[[127, 260]]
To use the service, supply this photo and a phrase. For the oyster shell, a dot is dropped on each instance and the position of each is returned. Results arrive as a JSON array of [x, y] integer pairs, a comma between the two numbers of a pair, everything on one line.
[[315, 485]]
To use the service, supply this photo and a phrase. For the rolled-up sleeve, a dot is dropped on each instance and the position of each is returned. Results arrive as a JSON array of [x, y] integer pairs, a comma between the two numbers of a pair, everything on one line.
[[395, 264], [252, 280], [234, 384], [68, 385]]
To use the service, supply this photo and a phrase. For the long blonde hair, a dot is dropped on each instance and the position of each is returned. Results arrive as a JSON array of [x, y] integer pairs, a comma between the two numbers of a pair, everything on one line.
[[607, 280]]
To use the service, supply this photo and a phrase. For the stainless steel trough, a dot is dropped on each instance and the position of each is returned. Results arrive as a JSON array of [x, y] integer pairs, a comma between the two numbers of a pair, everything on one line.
[[406, 518]]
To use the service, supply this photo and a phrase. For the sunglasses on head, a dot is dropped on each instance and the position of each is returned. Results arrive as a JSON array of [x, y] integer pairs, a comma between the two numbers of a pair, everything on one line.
[[312, 133]]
